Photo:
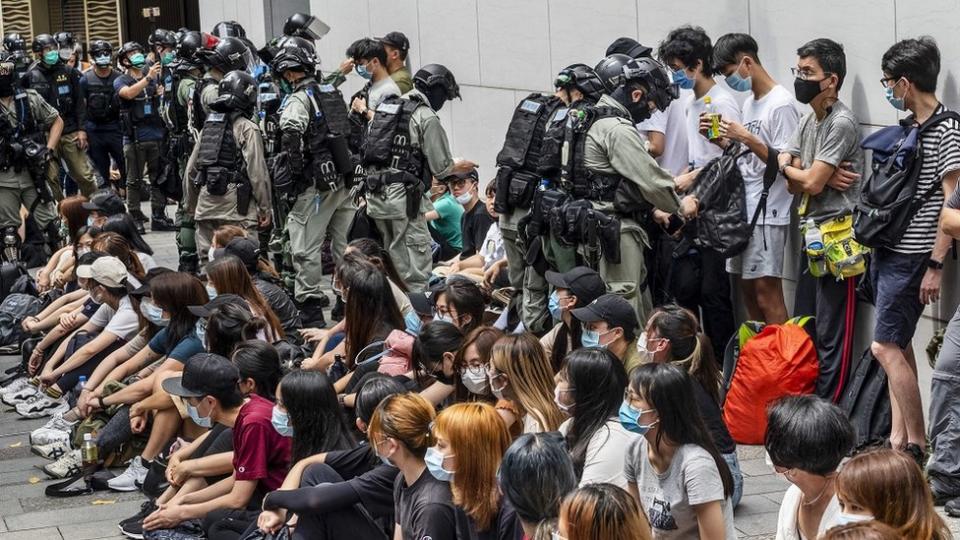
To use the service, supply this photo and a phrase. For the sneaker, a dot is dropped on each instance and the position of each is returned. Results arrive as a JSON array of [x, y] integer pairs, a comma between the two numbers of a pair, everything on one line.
[[21, 396], [15, 386], [55, 429], [131, 479], [952, 507], [148, 507], [161, 222], [54, 450], [44, 405], [132, 527], [69, 465]]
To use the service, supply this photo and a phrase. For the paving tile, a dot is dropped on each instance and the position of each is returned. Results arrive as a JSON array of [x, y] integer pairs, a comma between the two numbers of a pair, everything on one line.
[[67, 516], [757, 524], [46, 533], [756, 485], [92, 530], [755, 504], [755, 467]]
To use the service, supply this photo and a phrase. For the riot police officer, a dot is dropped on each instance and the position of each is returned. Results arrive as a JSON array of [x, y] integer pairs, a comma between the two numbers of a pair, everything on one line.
[[405, 147], [229, 54], [143, 132], [313, 127], [15, 44], [30, 129], [103, 112], [59, 85], [227, 175]]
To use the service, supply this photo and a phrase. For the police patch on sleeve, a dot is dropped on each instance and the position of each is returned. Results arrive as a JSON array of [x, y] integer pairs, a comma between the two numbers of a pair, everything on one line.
[[530, 106]]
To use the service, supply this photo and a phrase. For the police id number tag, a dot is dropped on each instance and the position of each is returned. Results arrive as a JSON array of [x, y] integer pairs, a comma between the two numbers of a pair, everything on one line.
[[216, 117], [388, 108], [63, 90], [327, 88], [148, 108], [560, 115], [530, 106]]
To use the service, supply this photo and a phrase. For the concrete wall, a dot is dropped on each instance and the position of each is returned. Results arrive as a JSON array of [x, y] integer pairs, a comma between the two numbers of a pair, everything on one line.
[[500, 50]]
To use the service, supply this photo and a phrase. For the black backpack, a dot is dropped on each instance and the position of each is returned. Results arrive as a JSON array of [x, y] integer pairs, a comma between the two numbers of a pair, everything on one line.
[[722, 222], [10, 274], [14, 309], [866, 402], [889, 197]]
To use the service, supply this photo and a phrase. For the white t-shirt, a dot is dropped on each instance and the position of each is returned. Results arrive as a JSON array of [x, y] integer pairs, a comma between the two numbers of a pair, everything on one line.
[[492, 249], [122, 323], [605, 453], [787, 519], [773, 118], [380, 90], [672, 123], [146, 261], [700, 149]]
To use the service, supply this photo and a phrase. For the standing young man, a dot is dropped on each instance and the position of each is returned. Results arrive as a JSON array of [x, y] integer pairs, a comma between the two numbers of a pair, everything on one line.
[[907, 276], [823, 164], [370, 58], [397, 46], [769, 120]]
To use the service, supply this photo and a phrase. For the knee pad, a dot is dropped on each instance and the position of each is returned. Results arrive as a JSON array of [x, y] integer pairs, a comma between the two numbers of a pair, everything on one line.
[[11, 244]]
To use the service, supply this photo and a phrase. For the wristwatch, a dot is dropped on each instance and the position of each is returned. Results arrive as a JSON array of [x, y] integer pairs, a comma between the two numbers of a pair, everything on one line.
[[934, 264]]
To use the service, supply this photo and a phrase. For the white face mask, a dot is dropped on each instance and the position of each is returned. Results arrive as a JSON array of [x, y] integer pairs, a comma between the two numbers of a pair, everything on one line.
[[556, 399], [210, 253], [476, 382], [844, 518], [646, 356], [465, 198]]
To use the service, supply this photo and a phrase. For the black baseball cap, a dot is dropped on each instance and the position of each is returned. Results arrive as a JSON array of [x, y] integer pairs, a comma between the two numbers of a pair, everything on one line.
[[582, 281], [613, 309], [422, 302], [144, 287], [396, 40], [242, 248], [214, 305], [204, 374], [105, 202], [629, 47], [472, 174]]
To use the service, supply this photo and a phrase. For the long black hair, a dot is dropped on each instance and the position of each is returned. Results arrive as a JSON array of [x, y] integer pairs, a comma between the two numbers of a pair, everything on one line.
[[371, 311], [170, 291], [689, 348], [598, 379], [260, 361], [318, 425], [379, 257], [668, 389], [124, 225], [229, 325], [435, 339]]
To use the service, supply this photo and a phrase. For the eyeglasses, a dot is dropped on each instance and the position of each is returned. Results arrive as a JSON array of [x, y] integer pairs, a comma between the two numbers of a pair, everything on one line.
[[804, 75], [475, 370], [885, 80]]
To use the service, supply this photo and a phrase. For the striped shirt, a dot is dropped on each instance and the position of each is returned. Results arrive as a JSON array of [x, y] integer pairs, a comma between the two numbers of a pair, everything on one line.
[[940, 147]]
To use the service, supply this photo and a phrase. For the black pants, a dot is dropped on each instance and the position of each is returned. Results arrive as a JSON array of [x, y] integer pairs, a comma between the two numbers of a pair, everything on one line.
[[104, 146], [70, 379], [836, 318], [227, 524], [354, 522]]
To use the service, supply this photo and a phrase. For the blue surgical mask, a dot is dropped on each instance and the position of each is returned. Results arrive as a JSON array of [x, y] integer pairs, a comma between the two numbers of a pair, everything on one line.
[[554, 306], [465, 198], [897, 102], [364, 72], [89, 221], [201, 330], [413, 323], [630, 419], [102, 61], [211, 291], [153, 312], [680, 79], [844, 518], [51, 57], [738, 83], [591, 338], [202, 421], [281, 422], [434, 460]]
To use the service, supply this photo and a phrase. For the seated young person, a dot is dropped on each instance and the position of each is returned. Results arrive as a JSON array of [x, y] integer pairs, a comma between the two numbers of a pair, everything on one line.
[[574, 289], [485, 265]]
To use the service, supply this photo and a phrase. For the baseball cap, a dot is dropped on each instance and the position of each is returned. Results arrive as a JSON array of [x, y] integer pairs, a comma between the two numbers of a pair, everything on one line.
[[582, 281], [204, 374], [473, 174], [107, 271], [242, 248], [214, 305], [144, 287], [397, 40], [629, 47], [612, 308], [421, 302], [105, 202]]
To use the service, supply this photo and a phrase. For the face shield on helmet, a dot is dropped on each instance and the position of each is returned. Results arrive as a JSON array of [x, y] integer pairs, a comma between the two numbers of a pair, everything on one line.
[[305, 26]]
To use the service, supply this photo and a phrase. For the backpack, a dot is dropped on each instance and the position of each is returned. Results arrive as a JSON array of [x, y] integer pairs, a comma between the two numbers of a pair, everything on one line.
[[889, 198], [10, 274], [14, 309], [722, 221], [767, 363], [866, 402]]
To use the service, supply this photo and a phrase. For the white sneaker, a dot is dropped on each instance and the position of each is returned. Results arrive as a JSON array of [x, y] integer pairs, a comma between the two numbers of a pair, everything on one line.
[[43, 406], [56, 429], [54, 450], [15, 386], [20, 396], [131, 479], [68, 465]]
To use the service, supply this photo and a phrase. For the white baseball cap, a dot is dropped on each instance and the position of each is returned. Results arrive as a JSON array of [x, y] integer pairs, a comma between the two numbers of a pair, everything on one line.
[[107, 271]]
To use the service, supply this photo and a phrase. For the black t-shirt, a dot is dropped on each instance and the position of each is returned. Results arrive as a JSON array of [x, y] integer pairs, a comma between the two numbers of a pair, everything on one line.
[[89, 308], [505, 526], [474, 225], [713, 418], [425, 510], [368, 476]]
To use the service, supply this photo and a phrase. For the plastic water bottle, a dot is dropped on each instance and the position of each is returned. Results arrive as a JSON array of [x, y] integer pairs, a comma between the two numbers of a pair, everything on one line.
[[813, 239], [82, 382], [88, 452], [711, 111]]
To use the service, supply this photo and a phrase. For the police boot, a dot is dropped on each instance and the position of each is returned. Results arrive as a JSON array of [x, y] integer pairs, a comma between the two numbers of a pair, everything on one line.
[[138, 220], [160, 222], [337, 312], [311, 314], [189, 263]]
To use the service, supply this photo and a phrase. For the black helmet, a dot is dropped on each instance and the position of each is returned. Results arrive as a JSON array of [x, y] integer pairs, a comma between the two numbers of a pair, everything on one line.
[[42, 41], [230, 54], [437, 75], [163, 38], [294, 53], [126, 49], [65, 39], [189, 45], [610, 70], [652, 74], [305, 26], [14, 42], [229, 29], [100, 47], [268, 97], [237, 92], [583, 78]]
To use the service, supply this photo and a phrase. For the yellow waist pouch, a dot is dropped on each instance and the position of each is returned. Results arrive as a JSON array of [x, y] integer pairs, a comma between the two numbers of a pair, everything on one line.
[[844, 255]]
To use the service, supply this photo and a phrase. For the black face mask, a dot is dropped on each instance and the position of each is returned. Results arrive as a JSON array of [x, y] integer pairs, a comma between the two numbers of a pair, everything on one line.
[[639, 111], [436, 95], [806, 90], [6, 86]]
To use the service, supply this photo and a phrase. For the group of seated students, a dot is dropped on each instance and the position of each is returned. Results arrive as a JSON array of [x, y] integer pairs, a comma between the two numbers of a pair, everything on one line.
[[415, 416]]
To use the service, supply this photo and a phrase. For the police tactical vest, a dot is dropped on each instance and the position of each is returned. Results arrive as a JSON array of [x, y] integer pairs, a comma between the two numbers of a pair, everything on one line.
[[575, 178], [54, 87], [219, 160], [102, 105], [12, 137], [143, 110], [519, 159], [388, 138], [326, 157], [177, 116], [196, 102]]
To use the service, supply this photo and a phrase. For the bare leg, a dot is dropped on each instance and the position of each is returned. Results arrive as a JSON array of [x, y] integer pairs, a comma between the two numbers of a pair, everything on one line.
[[769, 292], [902, 379], [165, 426], [748, 291]]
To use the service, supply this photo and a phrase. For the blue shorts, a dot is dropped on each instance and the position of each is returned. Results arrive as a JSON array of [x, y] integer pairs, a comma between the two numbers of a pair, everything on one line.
[[895, 282]]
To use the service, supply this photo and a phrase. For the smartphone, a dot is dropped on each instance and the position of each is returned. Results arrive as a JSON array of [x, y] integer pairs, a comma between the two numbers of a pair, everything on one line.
[[673, 227]]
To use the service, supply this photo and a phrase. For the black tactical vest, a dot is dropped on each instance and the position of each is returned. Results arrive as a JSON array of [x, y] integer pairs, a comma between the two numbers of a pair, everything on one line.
[[326, 156], [54, 86], [102, 105], [219, 160], [519, 159], [196, 102], [177, 118], [388, 138], [13, 137], [575, 178], [141, 111]]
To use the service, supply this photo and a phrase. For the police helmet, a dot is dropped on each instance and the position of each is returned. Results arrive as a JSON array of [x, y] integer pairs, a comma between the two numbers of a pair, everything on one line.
[[162, 38], [647, 71], [581, 77], [14, 42], [100, 47], [610, 70], [189, 46], [126, 49], [228, 55], [65, 40], [294, 53], [229, 29], [42, 41], [437, 75], [237, 92], [305, 26]]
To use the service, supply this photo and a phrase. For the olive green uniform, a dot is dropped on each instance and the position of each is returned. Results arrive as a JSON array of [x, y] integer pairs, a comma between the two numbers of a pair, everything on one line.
[[403, 79], [17, 189], [186, 234]]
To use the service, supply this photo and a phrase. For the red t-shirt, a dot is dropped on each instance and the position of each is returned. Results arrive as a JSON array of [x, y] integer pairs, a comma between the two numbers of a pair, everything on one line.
[[259, 452]]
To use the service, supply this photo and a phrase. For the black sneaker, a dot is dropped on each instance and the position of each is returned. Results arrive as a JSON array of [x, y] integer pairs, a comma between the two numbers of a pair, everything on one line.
[[133, 529], [135, 522], [311, 314], [337, 312], [161, 222]]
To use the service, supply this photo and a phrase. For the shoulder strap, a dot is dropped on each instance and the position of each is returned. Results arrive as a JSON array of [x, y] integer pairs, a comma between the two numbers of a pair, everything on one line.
[[937, 118], [769, 177]]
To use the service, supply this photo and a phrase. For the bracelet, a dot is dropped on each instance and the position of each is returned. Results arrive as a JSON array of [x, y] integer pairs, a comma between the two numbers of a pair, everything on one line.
[[101, 403], [934, 264]]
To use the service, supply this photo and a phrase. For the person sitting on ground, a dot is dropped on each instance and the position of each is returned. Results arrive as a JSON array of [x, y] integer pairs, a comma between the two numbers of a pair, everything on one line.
[[476, 220], [601, 511], [522, 381], [610, 321], [444, 222], [574, 289], [461, 303], [483, 267], [227, 275], [471, 363]]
